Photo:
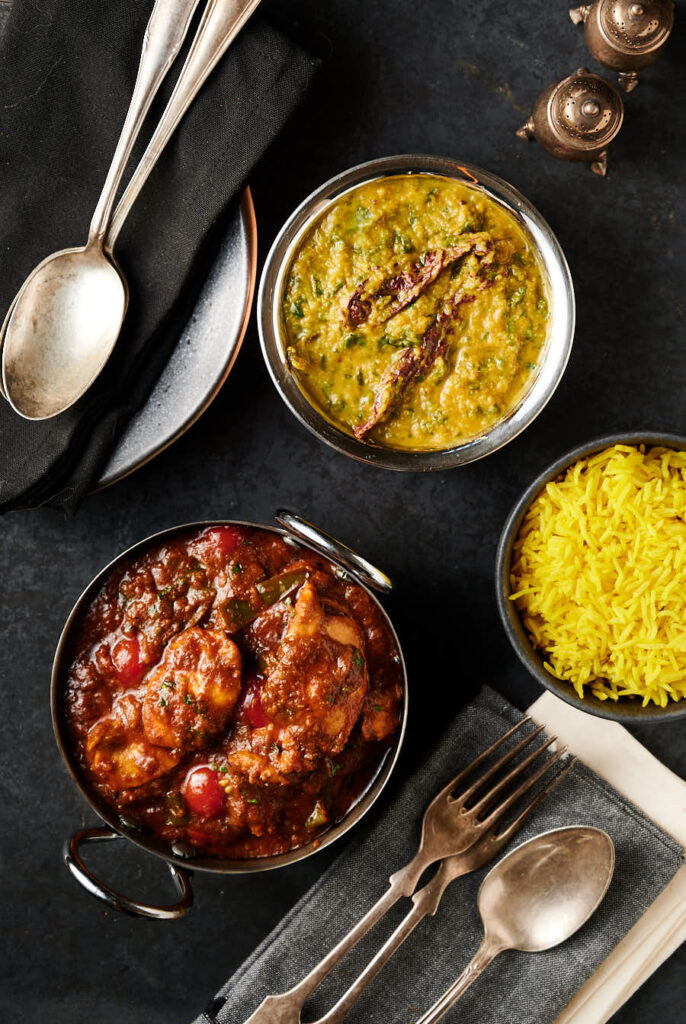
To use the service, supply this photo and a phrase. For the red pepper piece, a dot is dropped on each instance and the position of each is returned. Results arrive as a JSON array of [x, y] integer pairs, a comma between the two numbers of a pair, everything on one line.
[[227, 539], [202, 792], [251, 703], [126, 658]]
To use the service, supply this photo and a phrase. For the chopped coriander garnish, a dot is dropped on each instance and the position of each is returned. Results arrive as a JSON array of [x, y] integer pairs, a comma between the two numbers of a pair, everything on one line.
[[401, 243]]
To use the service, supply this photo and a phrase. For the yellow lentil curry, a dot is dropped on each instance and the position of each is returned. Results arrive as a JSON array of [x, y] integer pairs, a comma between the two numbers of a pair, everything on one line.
[[415, 312]]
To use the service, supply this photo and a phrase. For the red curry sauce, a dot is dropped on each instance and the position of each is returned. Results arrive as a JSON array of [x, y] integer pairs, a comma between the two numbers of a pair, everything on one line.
[[230, 690]]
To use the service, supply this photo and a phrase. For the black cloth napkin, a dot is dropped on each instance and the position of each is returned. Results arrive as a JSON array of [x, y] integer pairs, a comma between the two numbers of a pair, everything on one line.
[[67, 69], [518, 988]]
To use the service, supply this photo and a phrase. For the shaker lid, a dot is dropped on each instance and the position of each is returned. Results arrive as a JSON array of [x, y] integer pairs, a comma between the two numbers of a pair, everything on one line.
[[587, 111], [637, 26]]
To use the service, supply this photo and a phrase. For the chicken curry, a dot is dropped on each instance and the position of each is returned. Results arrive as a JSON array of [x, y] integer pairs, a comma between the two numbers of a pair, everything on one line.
[[415, 312], [232, 691]]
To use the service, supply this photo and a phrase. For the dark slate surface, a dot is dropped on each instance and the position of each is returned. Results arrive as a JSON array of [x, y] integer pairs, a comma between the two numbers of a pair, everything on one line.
[[445, 77]]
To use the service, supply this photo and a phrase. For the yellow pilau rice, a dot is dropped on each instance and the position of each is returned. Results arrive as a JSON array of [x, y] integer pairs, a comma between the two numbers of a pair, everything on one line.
[[599, 574]]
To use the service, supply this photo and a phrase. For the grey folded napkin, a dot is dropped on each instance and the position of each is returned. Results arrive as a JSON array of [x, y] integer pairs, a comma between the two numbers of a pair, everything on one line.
[[519, 988]]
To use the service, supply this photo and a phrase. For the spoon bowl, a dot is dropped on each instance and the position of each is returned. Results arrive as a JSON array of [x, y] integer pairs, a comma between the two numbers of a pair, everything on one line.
[[540, 894], [61, 329]]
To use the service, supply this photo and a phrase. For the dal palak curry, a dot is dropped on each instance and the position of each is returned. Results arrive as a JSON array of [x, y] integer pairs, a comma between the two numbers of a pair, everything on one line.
[[415, 312]]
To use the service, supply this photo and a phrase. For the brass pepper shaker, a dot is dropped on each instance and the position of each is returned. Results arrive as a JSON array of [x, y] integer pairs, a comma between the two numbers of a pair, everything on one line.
[[626, 35], [577, 118]]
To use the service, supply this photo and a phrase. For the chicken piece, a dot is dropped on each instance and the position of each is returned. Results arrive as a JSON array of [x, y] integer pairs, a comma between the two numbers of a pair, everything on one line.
[[270, 760], [313, 694], [193, 690], [118, 752], [380, 717], [160, 599]]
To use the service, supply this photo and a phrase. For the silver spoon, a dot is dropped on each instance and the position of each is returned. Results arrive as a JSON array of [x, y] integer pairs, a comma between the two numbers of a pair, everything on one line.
[[65, 320], [44, 365], [535, 898]]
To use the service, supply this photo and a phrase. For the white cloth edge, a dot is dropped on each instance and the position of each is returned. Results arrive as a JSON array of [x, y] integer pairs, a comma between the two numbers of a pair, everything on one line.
[[614, 754]]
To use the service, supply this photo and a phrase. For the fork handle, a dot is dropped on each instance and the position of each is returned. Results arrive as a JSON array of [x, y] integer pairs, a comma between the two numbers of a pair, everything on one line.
[[165, 32], [425, 902], [220, 24], [285, 1008]]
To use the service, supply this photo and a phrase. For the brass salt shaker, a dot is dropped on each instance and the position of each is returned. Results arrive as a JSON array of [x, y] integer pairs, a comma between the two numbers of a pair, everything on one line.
[[577, 118], [626, 35]]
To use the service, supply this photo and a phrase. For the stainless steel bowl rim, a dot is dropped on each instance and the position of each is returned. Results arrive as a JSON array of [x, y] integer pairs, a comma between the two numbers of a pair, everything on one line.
[[558, 345], [150, 843], [625, 711]]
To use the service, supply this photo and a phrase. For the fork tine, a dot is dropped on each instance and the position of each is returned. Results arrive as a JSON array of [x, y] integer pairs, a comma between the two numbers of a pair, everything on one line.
[[504, 837], [489, 798], [495, 768], [479, 759], [503, 807]]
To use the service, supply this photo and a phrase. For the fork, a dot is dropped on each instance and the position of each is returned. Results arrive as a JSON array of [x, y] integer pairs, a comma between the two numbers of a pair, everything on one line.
[[456, 831]]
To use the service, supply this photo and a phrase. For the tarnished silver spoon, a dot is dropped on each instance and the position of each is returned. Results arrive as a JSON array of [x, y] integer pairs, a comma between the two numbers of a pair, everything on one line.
[[60, 322], [63, 324], [535, 898]]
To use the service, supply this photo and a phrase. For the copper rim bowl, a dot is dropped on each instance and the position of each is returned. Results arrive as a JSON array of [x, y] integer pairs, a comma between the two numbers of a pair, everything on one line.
[[181, 859], [558, 346], [625, 710]]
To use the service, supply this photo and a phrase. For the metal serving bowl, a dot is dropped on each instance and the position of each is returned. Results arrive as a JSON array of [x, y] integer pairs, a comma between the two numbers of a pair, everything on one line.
[[625, 710], [180, 858], [557, 348]]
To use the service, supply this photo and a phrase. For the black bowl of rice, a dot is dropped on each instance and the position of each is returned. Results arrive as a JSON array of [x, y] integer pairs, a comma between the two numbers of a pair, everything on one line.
[[591, 577]]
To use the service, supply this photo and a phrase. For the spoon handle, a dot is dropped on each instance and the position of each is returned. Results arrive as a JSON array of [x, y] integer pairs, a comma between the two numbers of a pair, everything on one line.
[[220, 24], [165, 32], [479, 962]]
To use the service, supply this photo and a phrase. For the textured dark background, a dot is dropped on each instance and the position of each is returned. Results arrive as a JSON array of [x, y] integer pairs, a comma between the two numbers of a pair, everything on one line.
[[445, 77]]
